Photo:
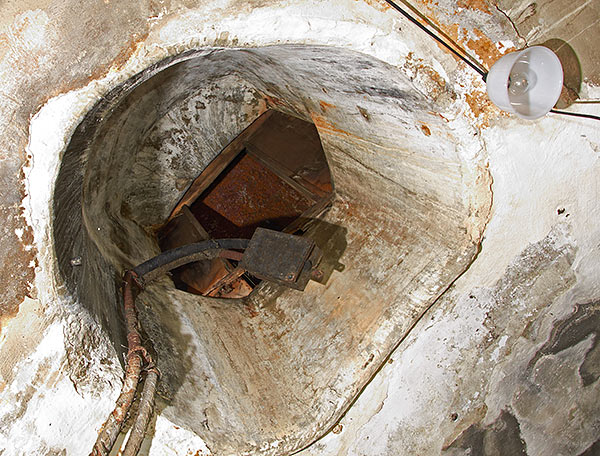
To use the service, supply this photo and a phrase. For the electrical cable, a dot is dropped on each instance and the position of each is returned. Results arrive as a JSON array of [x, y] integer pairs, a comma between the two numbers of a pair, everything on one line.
[[137, 356], [464, 55], [171, 259], [575, 114]]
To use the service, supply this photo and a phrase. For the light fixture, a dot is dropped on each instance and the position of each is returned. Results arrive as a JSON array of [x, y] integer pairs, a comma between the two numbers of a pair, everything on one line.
[[526, 83]]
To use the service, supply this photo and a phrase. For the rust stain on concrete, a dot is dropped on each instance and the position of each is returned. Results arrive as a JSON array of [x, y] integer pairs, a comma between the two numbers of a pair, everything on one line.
[[478, 102], [273, 102], [479, 5], [117, 63], [4, 45], [18, 257], [482, 108], [430, 78], [325, 106], [324, 125], [18, 263], [377, 4], [485, 48], [481, 45], [126, 53]]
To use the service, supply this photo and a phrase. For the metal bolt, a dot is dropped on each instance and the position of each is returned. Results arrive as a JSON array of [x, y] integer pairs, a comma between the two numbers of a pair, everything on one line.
[[316, 274]]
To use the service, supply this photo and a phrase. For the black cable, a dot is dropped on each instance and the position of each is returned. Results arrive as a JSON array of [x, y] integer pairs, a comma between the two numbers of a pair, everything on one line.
[[575, 114], [481, 72], [171, 259]]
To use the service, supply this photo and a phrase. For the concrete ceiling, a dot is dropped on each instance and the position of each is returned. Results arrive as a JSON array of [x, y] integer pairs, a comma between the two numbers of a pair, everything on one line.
[[504, 362]]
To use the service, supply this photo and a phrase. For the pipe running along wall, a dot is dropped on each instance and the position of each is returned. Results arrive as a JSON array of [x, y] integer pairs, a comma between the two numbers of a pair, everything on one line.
[[269, 373]]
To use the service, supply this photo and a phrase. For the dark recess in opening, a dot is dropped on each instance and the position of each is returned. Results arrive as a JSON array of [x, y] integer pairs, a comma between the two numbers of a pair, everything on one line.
[[272, 175]]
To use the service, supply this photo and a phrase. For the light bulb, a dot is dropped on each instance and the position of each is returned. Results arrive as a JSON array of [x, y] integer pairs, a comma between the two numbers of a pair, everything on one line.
[[521, 83], [522, 78]]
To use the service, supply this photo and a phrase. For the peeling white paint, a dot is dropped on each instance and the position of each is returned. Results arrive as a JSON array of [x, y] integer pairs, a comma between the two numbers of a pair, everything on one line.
[[171, 440], [47, 401]]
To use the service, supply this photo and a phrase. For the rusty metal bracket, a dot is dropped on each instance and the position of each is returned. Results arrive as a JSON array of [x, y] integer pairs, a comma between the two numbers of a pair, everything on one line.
[[281, 258]]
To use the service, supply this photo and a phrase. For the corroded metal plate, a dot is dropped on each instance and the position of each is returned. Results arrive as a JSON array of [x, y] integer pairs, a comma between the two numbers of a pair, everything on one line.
[[276, 256]]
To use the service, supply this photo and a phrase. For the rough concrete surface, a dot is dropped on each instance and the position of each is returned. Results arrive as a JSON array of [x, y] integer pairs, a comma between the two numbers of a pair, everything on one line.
[[460, 312], [575, 22], [280, 362]]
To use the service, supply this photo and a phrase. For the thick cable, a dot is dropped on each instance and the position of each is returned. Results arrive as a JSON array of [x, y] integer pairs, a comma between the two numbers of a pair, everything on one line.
[[171, 259], [138, 430], [112, 426], [137, 355]]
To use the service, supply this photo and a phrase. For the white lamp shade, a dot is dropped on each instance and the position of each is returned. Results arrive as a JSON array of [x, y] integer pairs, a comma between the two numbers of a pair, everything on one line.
[[526, 83]]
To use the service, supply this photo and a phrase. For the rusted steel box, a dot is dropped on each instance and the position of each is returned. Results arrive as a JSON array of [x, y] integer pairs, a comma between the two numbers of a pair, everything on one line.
[[281, 258]]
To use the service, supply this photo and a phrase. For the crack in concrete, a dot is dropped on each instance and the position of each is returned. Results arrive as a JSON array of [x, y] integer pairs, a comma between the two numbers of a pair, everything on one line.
[[512, 23]]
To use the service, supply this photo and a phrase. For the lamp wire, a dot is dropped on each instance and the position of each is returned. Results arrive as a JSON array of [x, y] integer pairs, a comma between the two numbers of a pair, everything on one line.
[[463, 55], [575, 114], [459, 51]]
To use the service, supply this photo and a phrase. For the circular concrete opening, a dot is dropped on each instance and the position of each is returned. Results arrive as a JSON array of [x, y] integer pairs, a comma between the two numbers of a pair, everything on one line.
[[271, 372]]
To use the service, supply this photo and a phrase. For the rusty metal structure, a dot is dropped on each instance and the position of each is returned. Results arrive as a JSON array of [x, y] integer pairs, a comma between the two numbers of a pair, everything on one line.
[[273, 175]]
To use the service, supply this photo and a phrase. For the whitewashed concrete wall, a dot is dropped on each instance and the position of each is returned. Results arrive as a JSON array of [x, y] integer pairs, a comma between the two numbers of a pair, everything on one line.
[[466, 366]]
